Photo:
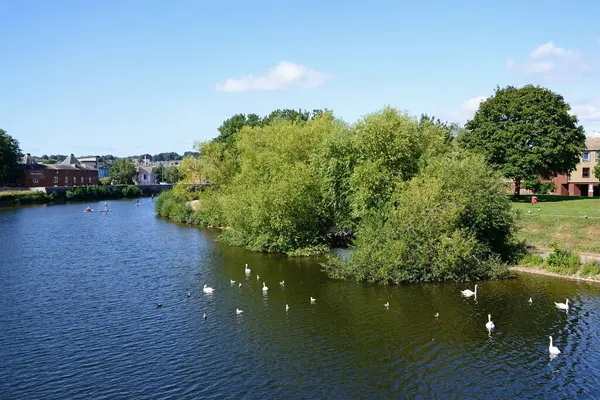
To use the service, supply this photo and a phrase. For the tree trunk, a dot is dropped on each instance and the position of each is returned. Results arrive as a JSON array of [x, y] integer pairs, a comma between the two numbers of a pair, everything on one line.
[[517, 187]]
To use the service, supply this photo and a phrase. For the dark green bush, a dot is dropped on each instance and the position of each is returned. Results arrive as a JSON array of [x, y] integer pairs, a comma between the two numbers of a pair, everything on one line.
[[26, 197], [131, 191], [562, 261]]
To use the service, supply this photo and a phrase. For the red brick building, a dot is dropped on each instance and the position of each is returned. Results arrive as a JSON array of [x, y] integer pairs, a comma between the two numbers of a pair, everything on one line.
[[68, 173]]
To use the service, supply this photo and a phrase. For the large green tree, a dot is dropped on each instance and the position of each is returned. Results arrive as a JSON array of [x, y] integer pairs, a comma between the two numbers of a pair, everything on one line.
[[9, 158], [122, 172], [526, 133]]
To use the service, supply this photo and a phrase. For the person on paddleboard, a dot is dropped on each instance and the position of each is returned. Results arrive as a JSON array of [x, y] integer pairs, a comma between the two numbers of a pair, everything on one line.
[[106, 207]]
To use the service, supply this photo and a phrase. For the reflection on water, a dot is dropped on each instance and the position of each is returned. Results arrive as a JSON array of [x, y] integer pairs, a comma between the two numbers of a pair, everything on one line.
[[78, 295]]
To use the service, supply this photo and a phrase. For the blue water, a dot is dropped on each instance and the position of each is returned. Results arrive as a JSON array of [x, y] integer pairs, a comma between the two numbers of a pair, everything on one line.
[[78, 319]]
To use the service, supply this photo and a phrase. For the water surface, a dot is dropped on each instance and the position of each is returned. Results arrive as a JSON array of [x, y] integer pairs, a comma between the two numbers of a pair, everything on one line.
[[78, 319]]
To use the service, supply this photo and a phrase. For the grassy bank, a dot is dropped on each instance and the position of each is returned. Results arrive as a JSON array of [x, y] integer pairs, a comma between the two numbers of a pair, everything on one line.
[[561, 262], [81, 193], [573, 222]]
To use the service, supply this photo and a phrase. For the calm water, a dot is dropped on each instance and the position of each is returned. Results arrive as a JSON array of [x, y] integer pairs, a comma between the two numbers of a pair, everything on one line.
[[78, 319]]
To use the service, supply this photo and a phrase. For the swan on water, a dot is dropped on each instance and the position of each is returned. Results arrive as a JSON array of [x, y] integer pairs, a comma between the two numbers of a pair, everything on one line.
[[554, 351], [247, 270], [313, 300], [204, 316], [469, 292], [232, 282], [490, 325], [562, 306], [257, 277], [265, 288], [287, 308], [207, 289], [282, 283], [240, 285], [437, 315], [188, 294], [238, 311], [530, 300], [387, 305]]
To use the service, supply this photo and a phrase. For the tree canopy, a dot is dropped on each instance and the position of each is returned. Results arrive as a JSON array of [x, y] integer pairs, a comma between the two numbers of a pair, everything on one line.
[[9, 158], [526, 133], [122, 172]]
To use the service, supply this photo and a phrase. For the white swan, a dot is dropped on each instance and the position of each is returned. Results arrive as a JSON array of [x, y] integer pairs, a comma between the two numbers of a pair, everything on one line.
[[257, 277], [387, 305], [530, 300], [287, 308], [490, 325], [204, 316], [265, 288], [437, 315], [554, 351], [562, 306], [282, 283], [207, 289], [247, 270], [313, 300], [238, 311], [232, 282], [240, 285], [469, 292]]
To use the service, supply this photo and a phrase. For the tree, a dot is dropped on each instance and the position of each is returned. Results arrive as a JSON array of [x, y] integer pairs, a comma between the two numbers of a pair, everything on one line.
[[9, 158], [526, 133], [122, 172], [171, 174]]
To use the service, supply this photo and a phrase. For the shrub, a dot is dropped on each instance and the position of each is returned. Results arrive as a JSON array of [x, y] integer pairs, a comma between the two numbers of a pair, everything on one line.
[[591, 269], [105, 181], [562, 260], [531, 259], [131, 191], [18, 197], [169, 206], [452, 222]]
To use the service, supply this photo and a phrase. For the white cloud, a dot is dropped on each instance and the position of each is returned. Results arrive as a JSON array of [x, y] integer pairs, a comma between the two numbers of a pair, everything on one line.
[[587, 112], [551, 62], [467, 110], [284, 75]]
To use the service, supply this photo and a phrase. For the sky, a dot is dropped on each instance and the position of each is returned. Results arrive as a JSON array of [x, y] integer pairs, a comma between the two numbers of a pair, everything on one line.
[[148, 76]]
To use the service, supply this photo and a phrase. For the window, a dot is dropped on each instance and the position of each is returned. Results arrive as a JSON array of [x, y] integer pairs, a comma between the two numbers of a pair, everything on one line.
[[586, 156], [585, 173], [66, 180], [55, 179], [36, 180], [90, 179], [82, 179], [598, 156], [144, 178]]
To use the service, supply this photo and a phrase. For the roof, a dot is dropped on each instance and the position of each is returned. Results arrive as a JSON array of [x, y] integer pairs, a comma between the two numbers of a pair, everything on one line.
[[592, 143], [28, 159], [70, 160], [144, 169], [70, 163]]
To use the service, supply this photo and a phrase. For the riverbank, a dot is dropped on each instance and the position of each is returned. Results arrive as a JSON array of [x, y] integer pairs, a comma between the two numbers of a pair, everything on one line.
[[539, 271], [62, 195]]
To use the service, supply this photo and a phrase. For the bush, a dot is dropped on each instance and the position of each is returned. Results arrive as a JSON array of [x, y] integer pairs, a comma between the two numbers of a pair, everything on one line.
[[531, 259], [590, 270], [562, 261], [131, 191], [538, 187], [452, 222], [168, 206], [105, 181], [19, 197]]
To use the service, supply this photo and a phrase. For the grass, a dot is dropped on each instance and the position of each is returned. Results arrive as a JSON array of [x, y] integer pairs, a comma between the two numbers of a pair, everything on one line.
[[562, 220]]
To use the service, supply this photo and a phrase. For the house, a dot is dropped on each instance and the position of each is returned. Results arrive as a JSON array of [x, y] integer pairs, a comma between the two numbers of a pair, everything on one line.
[[582, 181], [70, 172], [145, 175]]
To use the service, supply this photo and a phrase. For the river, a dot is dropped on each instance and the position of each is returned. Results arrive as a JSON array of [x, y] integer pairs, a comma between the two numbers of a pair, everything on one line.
[[78, 319]]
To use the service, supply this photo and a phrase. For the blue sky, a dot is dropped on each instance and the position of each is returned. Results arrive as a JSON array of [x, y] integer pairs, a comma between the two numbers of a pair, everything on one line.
[[130, 77]]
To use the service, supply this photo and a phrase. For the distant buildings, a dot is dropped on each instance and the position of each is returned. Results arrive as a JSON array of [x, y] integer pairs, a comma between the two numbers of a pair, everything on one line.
[[146, 175], [70, 172]]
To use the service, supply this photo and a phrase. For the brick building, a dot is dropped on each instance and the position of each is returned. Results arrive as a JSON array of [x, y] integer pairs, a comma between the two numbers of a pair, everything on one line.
[[68, 173]]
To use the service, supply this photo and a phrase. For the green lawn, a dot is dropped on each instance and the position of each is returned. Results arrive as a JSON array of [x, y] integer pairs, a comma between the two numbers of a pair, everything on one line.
[[562, 220]]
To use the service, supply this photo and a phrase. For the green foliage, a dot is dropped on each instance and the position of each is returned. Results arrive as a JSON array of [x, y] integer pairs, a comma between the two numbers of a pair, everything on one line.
[[102, 192], [590, 270], [21, 197], [562, 261], [538, 186], [130, 191], [122, 172], [452, 222], [170, 174], [531, 259], [597, 171], [9, 158], [526, 132], [169, 206], [105, 181]]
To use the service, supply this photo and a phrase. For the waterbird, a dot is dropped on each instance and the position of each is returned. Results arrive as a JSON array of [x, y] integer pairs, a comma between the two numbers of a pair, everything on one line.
[[240, 285], [265, 288], [437, 315], [282, 283], [257, 277], [490, 325], [554, 351], [247, 270], [313, 300], [232, 282], [238, 311], [529, 212], [207, 289], [287, 308], [158, 305], [204, 316], [469, 292], [188, 294], [562, 306], [530, 300], [387, 305]]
